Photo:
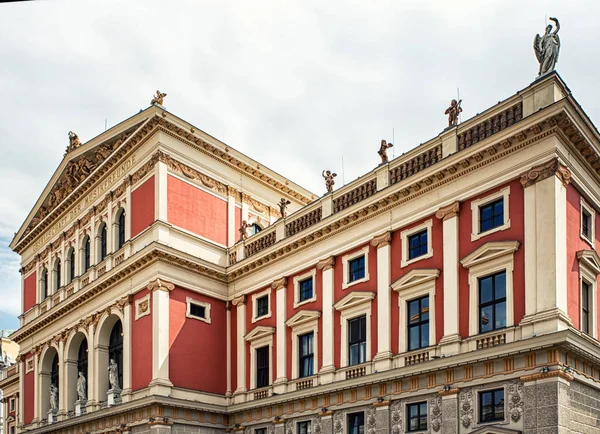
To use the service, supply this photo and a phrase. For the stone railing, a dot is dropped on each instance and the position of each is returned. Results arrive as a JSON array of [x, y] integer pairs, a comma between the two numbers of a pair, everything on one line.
[[491, 341], [355, 195], [360, 371], [260, 394], [262, 242], [232, 257], [490, 126], [119, 258], [85, 279], [303, 222], [413, 359], [416, 164], [101, 269], [304, 384], [69, 290]]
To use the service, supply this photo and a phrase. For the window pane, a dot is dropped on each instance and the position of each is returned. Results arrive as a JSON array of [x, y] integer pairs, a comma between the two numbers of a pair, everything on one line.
[[363, 353], [500, 285], [500, 315], [485, 290], [413, 311], [425, 335], [486, 319], [425, 309], [354, 330], [353, 355], [413, 338]]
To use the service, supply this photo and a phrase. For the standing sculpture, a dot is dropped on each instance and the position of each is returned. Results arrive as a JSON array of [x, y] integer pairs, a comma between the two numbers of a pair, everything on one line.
[[547, 48], [74, 142], [244, 230], [81, 387], [329, 182], [158, 98], [113, 375], [453, 111], [283, 203], [383, 151], [53, 398]]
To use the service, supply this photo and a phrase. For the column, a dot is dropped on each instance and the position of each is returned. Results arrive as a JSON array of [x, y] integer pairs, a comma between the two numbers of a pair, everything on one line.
[[450, 342], [450, 411], [127, 207], [21, 362], [62, 380], [383, 358], [228, 319], [91, 373], [231, 229], [327, 371], [240, 304], [127, 367], [545, 246], [280, 286], [37, 387], [160, 203], [160, 384]]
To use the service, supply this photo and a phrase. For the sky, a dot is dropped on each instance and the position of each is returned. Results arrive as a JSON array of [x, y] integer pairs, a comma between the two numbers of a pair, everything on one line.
[[298, 86]]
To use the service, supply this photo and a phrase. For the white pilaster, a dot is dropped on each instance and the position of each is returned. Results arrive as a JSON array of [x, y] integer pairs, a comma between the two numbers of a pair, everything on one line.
[[228, 319], [91, 373], [62, 380], [240, 304], [37, 389], [328, 369], [160, 383], [21, 398], [281, 378], [383, 358], [127, 208], [126, 393], [160, 186]]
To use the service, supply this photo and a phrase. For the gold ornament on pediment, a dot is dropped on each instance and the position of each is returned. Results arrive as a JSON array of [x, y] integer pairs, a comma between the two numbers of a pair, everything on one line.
[[158, 98]]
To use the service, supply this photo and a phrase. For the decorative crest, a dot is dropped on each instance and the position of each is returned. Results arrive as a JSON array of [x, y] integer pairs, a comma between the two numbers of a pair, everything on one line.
[[329, 182], [547, 48], [158, 98], [283, 203], [383, 151], [453, 111]]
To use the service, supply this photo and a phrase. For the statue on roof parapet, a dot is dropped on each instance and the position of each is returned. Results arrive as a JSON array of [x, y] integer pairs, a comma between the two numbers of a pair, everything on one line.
[[383, 151], [283, 203], [158, 98], [329, 182], [547, 48], [244, 230], [74, 142], [453, 111]]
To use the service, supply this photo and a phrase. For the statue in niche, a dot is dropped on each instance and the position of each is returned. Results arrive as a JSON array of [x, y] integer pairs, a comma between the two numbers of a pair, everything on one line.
[[329, 182], [82, 387], [383, 151], [113, 375], [158, 98], [453, 111], [53, 398], [547, 47], [244, 229], [283, 203]]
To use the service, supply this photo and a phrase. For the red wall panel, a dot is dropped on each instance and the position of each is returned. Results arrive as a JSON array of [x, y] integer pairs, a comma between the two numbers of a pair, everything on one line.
[[141, 346], [194, 343], [142, 207], [29, 398], [197, 211], [466, 246], [29, 292]]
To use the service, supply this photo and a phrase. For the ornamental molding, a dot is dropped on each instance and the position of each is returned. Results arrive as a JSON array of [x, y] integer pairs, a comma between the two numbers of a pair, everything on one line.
[[415, 277], [160, 285], [259, 332], [449, 211], [326, 264], [193, 174], [353, 299], [545, 170], [239, 301], [382, 240], [590, 259], [396, 417], [435, 413], [279, 283], [466, 407], [489, 251], [515, 401], [303, 317]]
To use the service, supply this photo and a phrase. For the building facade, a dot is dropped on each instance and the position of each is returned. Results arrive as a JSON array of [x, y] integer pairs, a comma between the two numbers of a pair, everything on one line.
[[450, 290]]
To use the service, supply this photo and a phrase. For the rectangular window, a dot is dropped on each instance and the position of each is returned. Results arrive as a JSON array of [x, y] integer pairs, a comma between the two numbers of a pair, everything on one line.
[[585, 307], [304, 427], [356, 423], [586, 223], [12, 429], [307, 354], [417, 244], [197, 311], [492, 302], [12, 405], [491, 405], [262, 306], [306, 289], [260, 431], [491, 215], [416, 417], [357, 269], [262, 367], [418, 323], [357, 340]]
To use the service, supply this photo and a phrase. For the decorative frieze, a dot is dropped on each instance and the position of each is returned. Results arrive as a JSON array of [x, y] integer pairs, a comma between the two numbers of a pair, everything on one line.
[[435, 413], [515, 401], [466, 407], [193, 174], [545, 170]]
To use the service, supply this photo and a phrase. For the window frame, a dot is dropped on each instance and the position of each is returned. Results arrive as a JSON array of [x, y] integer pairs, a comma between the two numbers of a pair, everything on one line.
[[44, 284], [71, 269], [11, 405], [303, 322], [259, 337], [407, 408], [420, 323], [405, 259], [57, 274], [585, 207], [359, 341], [266, 349], [480, 406], [346, 267], [491, 303], [589, 268], [354, 304], [255, 298], [476, 204], [306, 356], [312, 274], [354, 414], [189, 301], [121, 236], [302, 422]]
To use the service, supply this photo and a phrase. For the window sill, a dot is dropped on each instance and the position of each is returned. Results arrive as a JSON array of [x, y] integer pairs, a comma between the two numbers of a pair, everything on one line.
[[303, 302], [346, 284], [505, 226], [587, 240], [417, 259], [259, 318]]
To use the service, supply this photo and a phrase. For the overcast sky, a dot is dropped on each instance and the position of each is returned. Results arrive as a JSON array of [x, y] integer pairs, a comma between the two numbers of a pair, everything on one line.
[[294, 85]]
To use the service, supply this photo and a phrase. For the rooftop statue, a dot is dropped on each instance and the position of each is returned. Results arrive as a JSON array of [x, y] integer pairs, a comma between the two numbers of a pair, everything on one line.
[[453, 111], [283, 203], [329, 182], [74, 142], [383, 151], [244, 230], [158, 98], [547, 48]]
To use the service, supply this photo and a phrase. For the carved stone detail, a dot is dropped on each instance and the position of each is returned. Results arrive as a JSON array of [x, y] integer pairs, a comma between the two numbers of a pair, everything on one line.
[[545, 170], [326, 264], [338, 423], [279, 283], [241, 300], [449, 211], [515, 401], [193, 174], [396, 418], [381, 240], [160, 285], [371, 421], [466, 408], [436, 413]]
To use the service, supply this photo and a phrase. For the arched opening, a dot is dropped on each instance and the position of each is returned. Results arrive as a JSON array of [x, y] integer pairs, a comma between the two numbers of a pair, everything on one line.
[[49, 380], [76, 362], [102, 239], [255, 228], [120, 228], [70, 265], [87, 250], [44, 284], [110, 347], [57, 274], [115, 349]]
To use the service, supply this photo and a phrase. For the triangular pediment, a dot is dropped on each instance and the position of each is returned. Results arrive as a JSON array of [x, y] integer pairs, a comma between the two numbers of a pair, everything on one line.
[[415, 277], [495, 430], [353, 299], [489, 251], [259, 332], [591, 259], [10, 419], [303, 317]]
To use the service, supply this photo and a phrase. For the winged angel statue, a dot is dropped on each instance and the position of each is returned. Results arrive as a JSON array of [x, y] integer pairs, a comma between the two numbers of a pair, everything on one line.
[[547, 48]]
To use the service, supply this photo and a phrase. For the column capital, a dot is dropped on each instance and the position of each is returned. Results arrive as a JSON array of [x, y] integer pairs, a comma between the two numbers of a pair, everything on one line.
[[161, 285], [545, 170], [448, 211], [326, 264], [241, 300], [382, 240], [279, 283]]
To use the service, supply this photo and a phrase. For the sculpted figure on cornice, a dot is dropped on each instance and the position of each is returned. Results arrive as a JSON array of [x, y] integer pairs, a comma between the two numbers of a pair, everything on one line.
[[329, 182], [383, 151], [74, 142], [283, 203]]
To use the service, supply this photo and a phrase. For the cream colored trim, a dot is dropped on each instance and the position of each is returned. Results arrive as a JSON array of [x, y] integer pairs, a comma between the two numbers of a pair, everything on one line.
[[346, 269], [486, 388], [415, 284], [353, 305], [189, 301], [304, 322], [297, 279], [258, 338], [404, 235], [142, 307], [588, 273], [476, 204], [255, 297], [584, 206]]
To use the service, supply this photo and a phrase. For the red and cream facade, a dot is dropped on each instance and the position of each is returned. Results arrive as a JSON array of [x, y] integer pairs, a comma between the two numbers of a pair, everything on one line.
[[184, 195]]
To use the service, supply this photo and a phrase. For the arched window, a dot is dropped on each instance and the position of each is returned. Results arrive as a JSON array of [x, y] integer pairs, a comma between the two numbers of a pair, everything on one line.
[[44, 284], [121, 229], [115, 348], [54, 373], [57, 273], [86, 254], [102, 243], [82, 359], [71, 275], [255, 228]]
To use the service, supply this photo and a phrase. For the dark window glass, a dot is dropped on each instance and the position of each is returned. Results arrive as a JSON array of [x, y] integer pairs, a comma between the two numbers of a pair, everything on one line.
[[115, 348], [86, 259], [491, 405], [585, 307], [262, 367], [491, 215], [417, 245], [103, 243], [197, 310], [416, 416], [82, 359], [12, 429], [418, 323], [586, 223], [306, 289], [44, 283], [260, 431], [72, 265], [262, 306], [254, 229], [12, 405], [121, 231], [357, 340], [57, 268], [492, 302], [356, 423], [307, 354], [304, 427], [357, 269], [54, 374]]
